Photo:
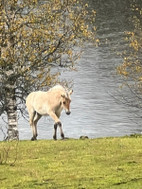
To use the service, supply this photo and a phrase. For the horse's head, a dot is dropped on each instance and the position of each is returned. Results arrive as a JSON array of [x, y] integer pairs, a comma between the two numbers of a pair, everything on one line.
[[66, 100]]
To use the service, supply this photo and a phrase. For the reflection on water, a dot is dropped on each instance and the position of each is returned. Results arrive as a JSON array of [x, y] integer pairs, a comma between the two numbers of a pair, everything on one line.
[[94, 112]]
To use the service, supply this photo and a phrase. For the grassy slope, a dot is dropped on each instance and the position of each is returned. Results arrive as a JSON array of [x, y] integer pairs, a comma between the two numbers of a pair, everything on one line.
[[80, 164]]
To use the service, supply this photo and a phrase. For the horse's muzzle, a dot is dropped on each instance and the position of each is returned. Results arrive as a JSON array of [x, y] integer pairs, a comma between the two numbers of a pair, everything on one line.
[[68, 112]]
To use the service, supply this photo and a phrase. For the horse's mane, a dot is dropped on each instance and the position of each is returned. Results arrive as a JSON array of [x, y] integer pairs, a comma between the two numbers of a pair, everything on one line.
[[57, 87]]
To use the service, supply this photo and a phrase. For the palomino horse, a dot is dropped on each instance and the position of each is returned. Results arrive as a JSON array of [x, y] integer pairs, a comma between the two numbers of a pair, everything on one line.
[[49, 103]]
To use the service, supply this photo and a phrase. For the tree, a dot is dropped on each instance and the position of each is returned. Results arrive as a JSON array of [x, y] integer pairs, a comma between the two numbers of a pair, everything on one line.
[[35, 36], [131, 69]]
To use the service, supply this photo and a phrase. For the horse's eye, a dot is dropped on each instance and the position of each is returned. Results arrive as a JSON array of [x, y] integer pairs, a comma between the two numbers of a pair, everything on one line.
[[64, 102]]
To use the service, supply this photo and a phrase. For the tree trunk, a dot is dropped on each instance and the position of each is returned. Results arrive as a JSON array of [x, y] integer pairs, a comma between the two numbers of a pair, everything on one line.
[[11, 110], [12, 120]]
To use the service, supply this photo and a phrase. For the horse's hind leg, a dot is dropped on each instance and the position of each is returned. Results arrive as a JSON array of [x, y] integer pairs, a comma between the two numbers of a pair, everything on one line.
[[31, 120], [36, 118]]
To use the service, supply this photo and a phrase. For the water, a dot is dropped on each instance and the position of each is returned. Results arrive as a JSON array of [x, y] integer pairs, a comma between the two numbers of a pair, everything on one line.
[[95, 109]]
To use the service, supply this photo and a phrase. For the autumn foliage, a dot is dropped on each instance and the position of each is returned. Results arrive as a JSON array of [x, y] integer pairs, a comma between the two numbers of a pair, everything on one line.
[[131, 68]]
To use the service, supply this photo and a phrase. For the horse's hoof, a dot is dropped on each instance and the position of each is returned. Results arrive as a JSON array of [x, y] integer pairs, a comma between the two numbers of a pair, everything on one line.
[[33, 138], [62, 135], [54, 137], [84, 137]]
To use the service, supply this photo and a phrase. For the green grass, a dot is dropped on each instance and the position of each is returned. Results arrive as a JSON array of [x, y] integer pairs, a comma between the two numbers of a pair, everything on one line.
[[107, 163]]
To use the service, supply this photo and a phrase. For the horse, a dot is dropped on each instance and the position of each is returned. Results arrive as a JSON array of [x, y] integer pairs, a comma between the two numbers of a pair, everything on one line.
[[50, 103]]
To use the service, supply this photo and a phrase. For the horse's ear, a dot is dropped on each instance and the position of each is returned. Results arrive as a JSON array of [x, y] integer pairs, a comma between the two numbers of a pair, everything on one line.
[[70, 92], [63, 96]]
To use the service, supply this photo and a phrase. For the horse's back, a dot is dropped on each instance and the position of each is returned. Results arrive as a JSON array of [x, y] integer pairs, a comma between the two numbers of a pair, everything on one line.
[[35, 97], [42, 95], [43, 102]]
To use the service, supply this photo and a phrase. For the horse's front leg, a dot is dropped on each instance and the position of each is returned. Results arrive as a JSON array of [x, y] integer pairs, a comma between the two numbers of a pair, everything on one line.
[[61, 130], [55, 130], [57, 123]]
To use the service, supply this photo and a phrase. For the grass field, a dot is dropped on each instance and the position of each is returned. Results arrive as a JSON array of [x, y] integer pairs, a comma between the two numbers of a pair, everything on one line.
[[106, 163]]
